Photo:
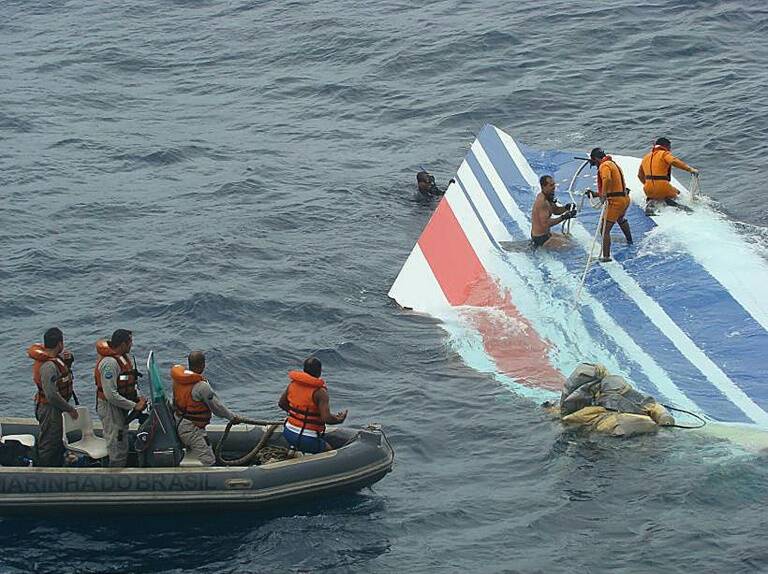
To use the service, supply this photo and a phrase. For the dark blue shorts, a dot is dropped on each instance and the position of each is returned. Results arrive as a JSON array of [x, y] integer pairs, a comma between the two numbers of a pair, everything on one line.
[[308, 444]]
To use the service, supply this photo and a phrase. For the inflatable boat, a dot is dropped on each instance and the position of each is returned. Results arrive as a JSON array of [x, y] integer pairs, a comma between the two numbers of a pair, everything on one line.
[[679, 313], [362, 458], [162, 479]]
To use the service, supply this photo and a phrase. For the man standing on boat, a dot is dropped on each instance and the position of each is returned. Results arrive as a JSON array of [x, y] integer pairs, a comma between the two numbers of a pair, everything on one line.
[[116, 393], [612, 189], [52, 374], [544, 207], [194, 402], [656, 174], [308, 406]]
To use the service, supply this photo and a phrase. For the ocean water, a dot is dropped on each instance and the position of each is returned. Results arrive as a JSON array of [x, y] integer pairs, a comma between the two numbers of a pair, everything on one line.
[[238, 177]]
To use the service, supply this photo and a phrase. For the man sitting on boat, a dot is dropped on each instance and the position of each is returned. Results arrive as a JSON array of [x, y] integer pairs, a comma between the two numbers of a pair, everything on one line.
[[544, 207], [116, 394], [53, 377], [194, 402], [656, 174], [307, 403]]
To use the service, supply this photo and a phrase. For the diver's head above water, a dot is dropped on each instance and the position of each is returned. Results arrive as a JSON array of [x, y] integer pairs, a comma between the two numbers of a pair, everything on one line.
[[426, 183]]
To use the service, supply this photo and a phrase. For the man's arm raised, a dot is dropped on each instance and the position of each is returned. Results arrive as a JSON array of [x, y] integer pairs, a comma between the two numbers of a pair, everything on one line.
[[323, 404]]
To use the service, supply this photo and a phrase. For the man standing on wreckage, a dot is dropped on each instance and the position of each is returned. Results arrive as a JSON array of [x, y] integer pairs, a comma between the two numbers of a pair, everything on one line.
[[612, 189]]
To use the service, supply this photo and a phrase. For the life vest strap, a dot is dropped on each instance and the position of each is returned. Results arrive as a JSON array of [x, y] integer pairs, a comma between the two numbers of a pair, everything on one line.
[[309, 417], [659, 177], [195, 416], [616, 194], [200, 411]]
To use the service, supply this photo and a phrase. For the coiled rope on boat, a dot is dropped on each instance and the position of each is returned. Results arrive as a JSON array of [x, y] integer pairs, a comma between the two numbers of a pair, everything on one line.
[[267, 453]]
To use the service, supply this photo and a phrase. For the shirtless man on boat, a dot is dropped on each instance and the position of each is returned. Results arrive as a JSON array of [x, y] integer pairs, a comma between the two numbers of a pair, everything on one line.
[[542, 220]]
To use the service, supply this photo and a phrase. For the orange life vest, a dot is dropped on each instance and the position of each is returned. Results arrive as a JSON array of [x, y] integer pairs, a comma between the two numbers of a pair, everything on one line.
[[656, 173], [617, 187], [184, 381], [302, 409], [126, 380], [655, 164], [38, 354]]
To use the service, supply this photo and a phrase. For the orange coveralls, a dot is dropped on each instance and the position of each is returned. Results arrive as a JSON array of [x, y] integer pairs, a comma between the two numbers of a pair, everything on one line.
[[656, 173], [610, 185]]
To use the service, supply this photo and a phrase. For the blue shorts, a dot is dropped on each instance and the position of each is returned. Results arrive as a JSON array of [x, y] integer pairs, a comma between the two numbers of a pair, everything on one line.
[[305, 443]]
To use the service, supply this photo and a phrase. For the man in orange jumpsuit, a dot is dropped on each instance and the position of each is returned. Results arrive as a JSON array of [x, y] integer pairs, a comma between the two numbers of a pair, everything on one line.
[[611, 188], [656, 173]]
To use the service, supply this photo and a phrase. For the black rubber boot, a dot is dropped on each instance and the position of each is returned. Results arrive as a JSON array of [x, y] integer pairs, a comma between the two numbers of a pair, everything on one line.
[[624, 226]]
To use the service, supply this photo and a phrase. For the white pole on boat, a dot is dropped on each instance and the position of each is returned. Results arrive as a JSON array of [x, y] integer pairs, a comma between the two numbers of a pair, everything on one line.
[[589, 256]]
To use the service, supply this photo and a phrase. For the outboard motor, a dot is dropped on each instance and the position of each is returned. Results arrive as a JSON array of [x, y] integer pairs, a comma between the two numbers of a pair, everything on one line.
[[157, 441]]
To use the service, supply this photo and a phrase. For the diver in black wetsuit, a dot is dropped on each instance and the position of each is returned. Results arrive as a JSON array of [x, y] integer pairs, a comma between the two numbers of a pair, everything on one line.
[[427, 186]]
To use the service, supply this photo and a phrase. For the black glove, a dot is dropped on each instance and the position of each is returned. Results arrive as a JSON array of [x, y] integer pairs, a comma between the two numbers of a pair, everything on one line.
[[589, 193], [137, 374], [568, 215], [570, 207]]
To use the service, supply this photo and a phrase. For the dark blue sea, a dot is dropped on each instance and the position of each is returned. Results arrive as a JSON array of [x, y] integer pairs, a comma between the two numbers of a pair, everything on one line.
[[238, 176]]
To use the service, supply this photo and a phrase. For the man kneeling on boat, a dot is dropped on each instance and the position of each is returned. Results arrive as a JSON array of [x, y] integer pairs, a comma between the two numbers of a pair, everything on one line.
[[194, 402], [308, 406], [544, 207]]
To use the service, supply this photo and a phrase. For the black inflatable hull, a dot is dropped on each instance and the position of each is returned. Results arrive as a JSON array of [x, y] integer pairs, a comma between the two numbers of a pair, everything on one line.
[[365, 458]]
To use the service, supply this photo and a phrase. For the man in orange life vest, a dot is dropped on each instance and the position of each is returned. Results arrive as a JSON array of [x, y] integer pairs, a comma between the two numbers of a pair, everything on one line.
[[194, 402], [116, 393], [656, 173], [612, 189], [308, 406], [53, 377]]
